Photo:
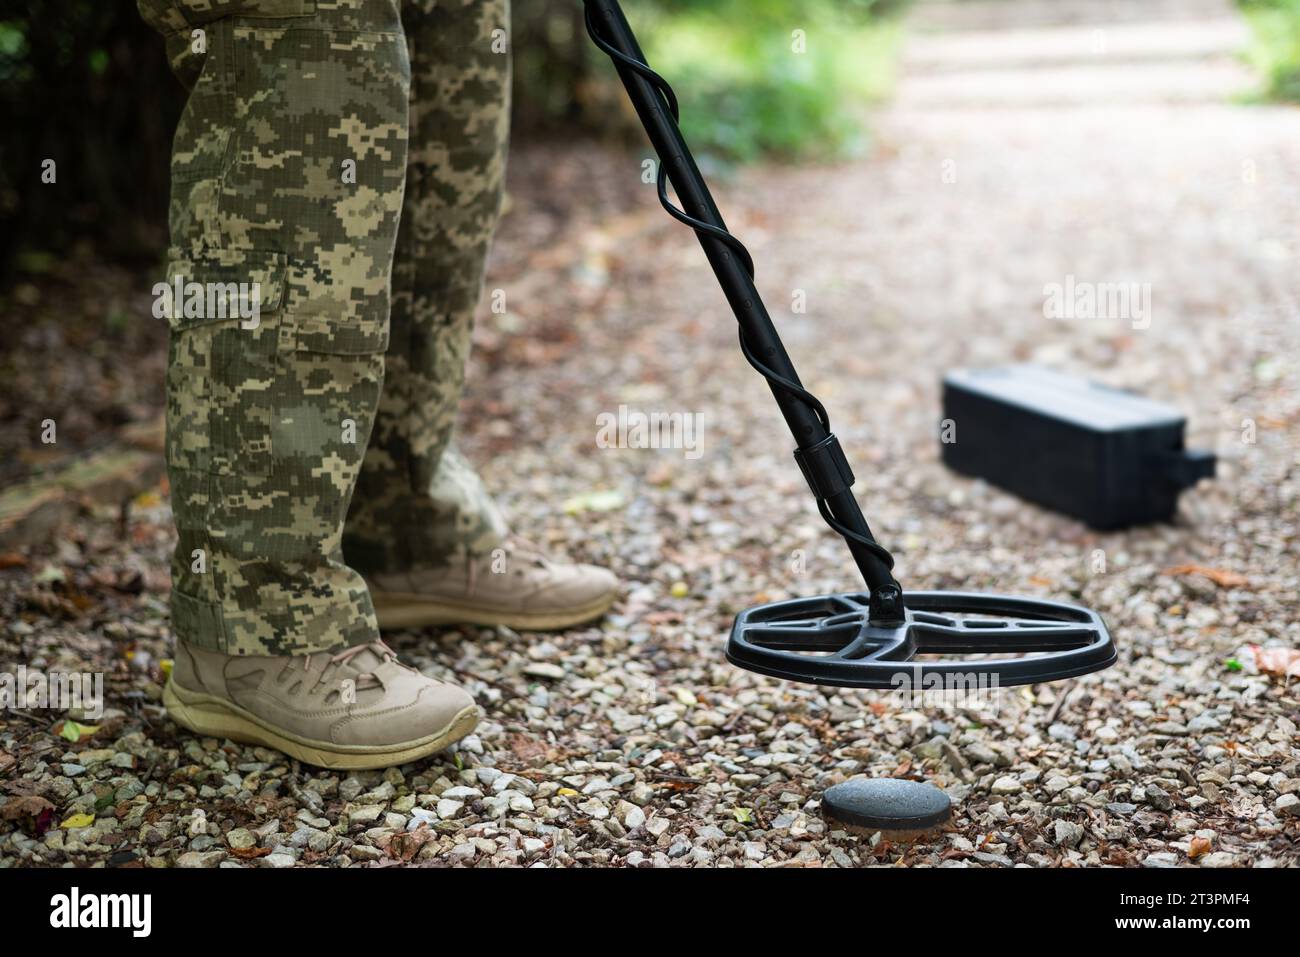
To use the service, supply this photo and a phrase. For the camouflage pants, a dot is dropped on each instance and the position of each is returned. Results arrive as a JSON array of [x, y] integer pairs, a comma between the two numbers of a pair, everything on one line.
[[344, 159]]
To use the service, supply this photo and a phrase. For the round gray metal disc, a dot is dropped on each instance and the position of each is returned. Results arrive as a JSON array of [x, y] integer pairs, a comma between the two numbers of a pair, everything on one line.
[[886, 804]]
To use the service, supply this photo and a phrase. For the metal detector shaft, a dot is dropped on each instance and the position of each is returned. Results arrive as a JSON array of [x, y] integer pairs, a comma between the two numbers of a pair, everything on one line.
[[818, 452]]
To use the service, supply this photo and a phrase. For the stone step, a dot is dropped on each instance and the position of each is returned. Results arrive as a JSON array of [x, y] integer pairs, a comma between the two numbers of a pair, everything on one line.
[[1207, 81], [1096, 44], [965, 15]]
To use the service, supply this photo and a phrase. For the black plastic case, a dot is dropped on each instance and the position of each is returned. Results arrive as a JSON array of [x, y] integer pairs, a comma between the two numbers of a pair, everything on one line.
[[1108, 457]]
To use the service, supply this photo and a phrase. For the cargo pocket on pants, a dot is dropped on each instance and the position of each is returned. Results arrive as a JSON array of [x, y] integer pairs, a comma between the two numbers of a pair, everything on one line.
[[224, 314], [268, 424], [224, 311]]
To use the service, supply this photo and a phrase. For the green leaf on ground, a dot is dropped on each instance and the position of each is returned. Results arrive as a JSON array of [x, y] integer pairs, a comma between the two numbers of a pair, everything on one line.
[[70, 730], [599, 500]]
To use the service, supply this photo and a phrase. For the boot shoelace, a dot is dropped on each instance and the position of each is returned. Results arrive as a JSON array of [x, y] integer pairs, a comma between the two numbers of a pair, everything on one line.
[[364, 680]]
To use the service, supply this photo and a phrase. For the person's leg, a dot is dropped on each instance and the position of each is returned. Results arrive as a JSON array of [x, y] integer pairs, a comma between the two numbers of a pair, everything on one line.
[[288, 171], [418, 502], [422, 527]]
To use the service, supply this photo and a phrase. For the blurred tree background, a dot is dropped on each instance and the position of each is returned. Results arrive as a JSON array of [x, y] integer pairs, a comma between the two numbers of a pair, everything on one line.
[[1276, 50], [85, 83]]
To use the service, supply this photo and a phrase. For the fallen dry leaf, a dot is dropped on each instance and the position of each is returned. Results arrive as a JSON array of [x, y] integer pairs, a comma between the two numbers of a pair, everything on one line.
[[1284, 662], [31, 812], [404, 845], [1220, 577], [29, 805], [1118, 857], [526, 749], [249, 853]]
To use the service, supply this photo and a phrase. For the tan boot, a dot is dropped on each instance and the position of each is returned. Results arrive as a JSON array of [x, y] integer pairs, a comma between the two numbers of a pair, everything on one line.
[[356, 709], [517, 586]]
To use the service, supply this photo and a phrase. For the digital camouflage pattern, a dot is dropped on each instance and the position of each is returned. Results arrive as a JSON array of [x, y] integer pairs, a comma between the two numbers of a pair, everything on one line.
[[290, 170], [418, 500]]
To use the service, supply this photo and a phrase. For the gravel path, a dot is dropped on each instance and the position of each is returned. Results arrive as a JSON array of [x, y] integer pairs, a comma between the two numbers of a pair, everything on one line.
[[633, 743]]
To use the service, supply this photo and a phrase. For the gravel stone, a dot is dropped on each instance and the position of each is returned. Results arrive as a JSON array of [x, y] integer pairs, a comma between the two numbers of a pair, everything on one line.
[[1067, 833], [1007, 785]]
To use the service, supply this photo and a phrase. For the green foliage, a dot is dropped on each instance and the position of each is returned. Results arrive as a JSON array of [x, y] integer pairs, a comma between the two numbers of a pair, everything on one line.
[[1276, 50], [757, 78], [745, 91]]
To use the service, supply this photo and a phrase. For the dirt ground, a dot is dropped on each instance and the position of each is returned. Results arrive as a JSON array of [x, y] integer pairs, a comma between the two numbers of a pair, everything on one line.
[[1103, 142]]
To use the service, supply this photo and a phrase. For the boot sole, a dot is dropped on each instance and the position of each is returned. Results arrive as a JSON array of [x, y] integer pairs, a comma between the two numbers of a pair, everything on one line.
[[215, 717], [402, 610]]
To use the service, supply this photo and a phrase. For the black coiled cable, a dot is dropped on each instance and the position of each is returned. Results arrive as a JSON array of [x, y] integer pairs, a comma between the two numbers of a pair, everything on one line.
[[786, 385]]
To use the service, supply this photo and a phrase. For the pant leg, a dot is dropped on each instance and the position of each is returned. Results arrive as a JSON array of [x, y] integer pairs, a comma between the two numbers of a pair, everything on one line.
[[288, 170], [418, 501]]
